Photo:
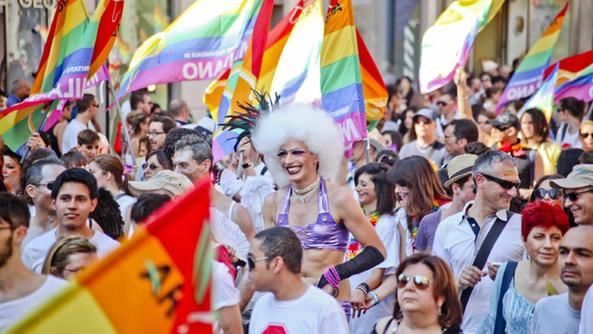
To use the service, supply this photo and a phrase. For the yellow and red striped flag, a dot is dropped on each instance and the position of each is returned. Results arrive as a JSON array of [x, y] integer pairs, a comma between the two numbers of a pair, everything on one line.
[[157, 282]]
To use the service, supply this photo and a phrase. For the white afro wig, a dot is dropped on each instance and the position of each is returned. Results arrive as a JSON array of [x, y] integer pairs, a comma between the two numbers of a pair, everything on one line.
[[306, 123]]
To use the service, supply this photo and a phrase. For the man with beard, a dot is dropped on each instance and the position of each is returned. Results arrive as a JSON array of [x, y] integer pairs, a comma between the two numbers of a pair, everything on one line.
[[37, 177], [578, 193], [20, 289], [74, 194], [562, 313]]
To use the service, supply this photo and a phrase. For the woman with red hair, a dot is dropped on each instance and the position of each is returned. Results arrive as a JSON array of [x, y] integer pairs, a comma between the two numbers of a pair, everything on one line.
[[518, 286]]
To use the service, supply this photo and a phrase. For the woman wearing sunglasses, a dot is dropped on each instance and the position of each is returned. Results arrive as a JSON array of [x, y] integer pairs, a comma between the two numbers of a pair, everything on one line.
[[518, 286], [156, 161], [427, 300], [543, 191], [586, 134]]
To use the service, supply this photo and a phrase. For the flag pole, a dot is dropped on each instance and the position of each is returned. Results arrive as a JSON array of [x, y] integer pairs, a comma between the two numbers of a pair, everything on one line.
[[126, 141]]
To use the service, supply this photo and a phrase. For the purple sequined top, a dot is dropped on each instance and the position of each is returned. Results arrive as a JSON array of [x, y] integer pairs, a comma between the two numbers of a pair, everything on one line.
[[325, 233]]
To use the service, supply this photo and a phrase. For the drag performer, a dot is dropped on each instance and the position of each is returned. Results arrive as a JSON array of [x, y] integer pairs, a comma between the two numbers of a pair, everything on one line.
[[303, 148]]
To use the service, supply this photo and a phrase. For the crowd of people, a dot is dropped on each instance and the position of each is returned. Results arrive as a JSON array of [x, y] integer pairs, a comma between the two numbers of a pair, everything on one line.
[[449, 218]]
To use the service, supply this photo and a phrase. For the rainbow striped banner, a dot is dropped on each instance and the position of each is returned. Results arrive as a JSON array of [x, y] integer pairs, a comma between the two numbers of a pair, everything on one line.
[[341, 78], [165, 271], [297, 75], [106, 21], [530, 73], [446, 45], [373, 87], [204, 41], [580, 87], [543, 99], [569, 67]]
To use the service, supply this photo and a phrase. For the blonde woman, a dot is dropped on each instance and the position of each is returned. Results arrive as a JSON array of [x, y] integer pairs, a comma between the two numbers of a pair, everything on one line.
[[68, 256]]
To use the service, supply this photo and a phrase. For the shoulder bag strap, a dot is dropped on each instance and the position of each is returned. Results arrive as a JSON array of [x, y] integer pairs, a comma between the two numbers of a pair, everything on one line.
[[483, 253], [500, 324]]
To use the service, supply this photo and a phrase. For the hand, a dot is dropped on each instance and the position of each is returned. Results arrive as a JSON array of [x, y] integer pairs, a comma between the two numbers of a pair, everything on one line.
[[369, 302], [35, 141], [493, 270], [460, 78], [470, 277], [357, 299]]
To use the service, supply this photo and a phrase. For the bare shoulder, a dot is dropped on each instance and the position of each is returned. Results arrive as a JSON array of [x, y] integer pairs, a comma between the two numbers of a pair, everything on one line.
[[340, 194], [381, 325]]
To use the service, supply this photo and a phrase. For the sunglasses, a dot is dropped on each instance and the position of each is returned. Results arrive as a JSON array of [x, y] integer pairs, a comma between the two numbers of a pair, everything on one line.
[[541, 193], [151, 166], [573, 197], [251, 261], [441, 103], [508, 185], [420, 282], [585, 135]]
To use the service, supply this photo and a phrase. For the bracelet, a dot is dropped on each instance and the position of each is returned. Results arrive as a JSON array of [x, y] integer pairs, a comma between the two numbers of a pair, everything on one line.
[[247, 165], [374, 297], [332, 277], [364, 288]]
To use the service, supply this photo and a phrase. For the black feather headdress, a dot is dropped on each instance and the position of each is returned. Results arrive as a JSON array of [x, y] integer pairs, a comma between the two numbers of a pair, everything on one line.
[[244, 120]]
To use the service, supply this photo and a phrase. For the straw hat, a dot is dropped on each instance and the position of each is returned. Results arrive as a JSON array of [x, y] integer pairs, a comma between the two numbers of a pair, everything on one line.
[[459, 167], [167, 181]]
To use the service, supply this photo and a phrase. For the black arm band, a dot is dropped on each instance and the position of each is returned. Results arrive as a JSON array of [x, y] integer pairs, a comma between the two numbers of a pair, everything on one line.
[[367, 259]]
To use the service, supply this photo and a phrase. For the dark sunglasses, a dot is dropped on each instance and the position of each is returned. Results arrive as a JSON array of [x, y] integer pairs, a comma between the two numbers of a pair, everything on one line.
[[508, 185], [441, 103], [251, 261], [541, 193], [420, 282], [573, 197], [151, 166], [586, 135]]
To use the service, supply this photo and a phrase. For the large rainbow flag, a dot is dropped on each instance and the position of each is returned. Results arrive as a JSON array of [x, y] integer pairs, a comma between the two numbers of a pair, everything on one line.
[[580, 87], [373, 87], [447, 44], [157, 282], [341, 78], [200, 44], [569, 67], [297, 72], [530, 73]]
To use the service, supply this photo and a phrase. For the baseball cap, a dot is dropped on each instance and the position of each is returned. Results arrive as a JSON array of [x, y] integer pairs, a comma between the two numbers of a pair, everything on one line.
[[425, 112], [171, 182], [506, 120], [580, 177]]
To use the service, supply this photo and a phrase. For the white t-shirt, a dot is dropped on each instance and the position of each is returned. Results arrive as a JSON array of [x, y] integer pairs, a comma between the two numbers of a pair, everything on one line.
[[12, 311], [69, 140], [224, 292], [35, 252], [586, 325], [314, 312]]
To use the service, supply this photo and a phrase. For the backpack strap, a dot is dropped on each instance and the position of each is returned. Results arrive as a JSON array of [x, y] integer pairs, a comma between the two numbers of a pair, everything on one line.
[[509, 272]]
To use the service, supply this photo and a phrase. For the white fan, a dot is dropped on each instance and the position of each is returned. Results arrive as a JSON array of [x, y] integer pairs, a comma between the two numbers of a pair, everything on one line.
[[226, 232]]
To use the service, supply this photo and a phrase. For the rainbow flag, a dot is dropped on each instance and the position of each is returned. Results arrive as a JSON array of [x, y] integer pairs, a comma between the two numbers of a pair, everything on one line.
[[341, 77], [63, 72], [530, 73], [543, 99], [580, 87], [373, 87], [157, 282], [244, 74], [297, 75], [446, 45], [569, 67], [200, 44]]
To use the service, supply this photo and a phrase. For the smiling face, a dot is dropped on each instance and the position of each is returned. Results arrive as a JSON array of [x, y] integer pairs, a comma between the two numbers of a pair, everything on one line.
[[298, 162], [366, 189], [497, 196], [73, 205], [581, 208], [156, 135], [11, 172]]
